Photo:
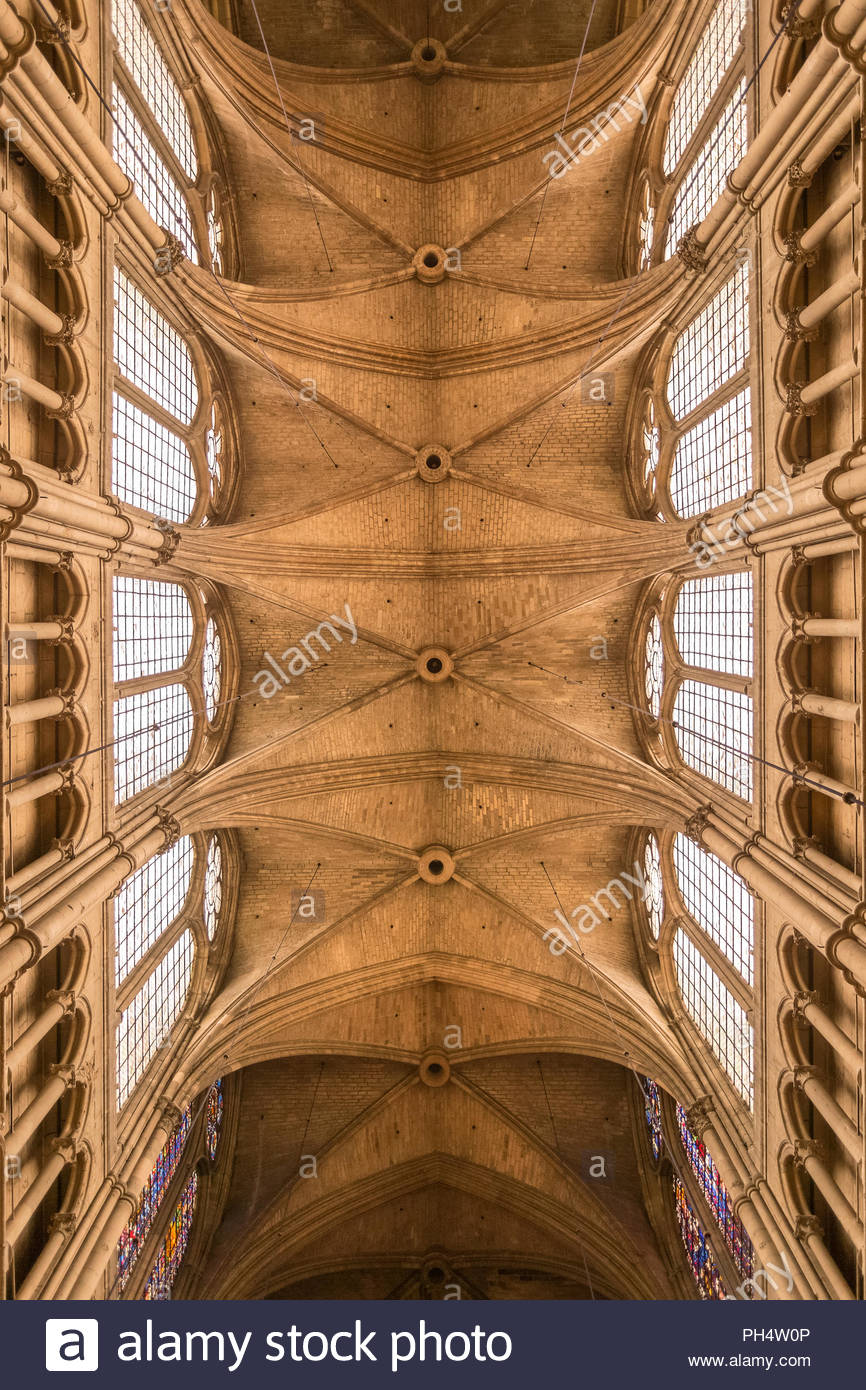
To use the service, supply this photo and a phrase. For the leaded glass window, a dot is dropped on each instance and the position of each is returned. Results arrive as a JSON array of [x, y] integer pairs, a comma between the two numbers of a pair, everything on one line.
[[706, 178], [211, 669], [704, 1268], [149, 902], [716, 50], [155, 185], [136, 1230], [153, 627], [717, 1014], [150, 73], [213, 887], [713, 623], [214, 1118], [713, 348], [146, 1023], [654, 666], [655, 893], [719, 902], [653, 1112], [170, 1257], [717, 1198], [713, 460], [152, 735], [651, 441], [151, 466], [214, 449], [713, 728], [150, 353]]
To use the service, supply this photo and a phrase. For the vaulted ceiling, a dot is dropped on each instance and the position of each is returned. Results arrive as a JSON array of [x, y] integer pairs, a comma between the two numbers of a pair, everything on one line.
[[516, 565]]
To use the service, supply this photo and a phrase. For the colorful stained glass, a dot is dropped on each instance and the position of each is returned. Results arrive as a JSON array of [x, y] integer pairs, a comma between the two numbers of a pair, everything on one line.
[[170, 1257], [704, 1267], [717, 1197], [214, 1117], [152, 1193], [653, 1111]]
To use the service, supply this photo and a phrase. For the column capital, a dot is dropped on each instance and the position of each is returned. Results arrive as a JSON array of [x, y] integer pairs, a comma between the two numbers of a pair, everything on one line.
[[799, 1003], [169, 255], [60, 187], [691, 252], [798, 177], [794, 251], [699, 1116], [63, 259], [170, 827], [697, 824], [794, 328], [804, 1149], [794, 400], [66, 334], [171, 540], [65, 410], [807, 1226], [62, 1223]]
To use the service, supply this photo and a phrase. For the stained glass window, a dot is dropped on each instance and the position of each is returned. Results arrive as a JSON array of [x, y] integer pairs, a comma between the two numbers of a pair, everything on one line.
[[717, 1197], [713, 348], [152, 627], [150, 73], [713, 729], [653, 1112], [170, 1257], [145, 1025], [211, 670], [704, 1267], [152, 734], [136, 1230], [713, 460], [654, 666], [151, 466], [719, 902], [150, 353], [214, 1118], [149, 902], [706, 178], [716, 50], [213, 887], [155, 185], [713, 623], [655, 893], [717, 1014]]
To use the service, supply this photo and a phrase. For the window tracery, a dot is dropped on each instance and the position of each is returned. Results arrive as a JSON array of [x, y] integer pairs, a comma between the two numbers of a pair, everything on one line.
[[213, 887], [655, 894]]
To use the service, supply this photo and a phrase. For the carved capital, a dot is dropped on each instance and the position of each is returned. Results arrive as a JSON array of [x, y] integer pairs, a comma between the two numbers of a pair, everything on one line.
[[68, 699], [66, 847], [691, 252], [66, 334], [170, 827], [795, 330], [798, 177], [807, 1226], [65, 563], [64, 997], [58, 32], [697, 824], [171, 540], [67, 631], [804, 1149], [170, 1115], [802, 999], [66, 1146], [169, 255], [802, 1075], [794, 399], [65, 410], [804, 842], [63, 1223], [794, 251], [63, 259], [61, 186], [699, 1116], [798, 629], [799, 556]]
